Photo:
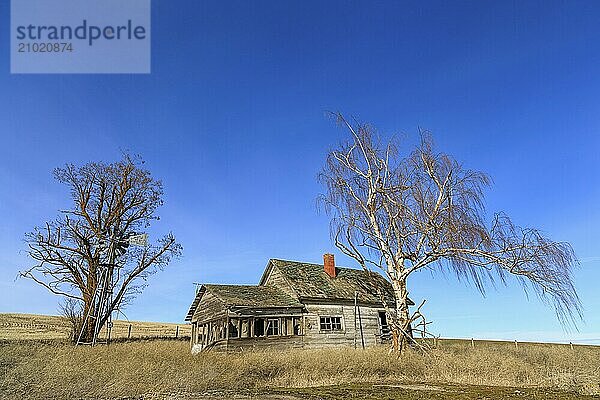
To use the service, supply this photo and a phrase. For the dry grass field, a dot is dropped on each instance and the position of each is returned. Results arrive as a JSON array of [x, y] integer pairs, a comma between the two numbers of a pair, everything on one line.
[[44, 327], [161, 369], [166, 369]]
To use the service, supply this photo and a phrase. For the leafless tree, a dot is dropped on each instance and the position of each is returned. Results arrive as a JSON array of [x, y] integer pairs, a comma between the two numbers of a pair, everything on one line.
[[86, 247], [424, 210]]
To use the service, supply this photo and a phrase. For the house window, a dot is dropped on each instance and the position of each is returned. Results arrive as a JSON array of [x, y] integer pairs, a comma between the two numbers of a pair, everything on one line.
[[233, 329], [330, 323], [296, 326], [272, 327]]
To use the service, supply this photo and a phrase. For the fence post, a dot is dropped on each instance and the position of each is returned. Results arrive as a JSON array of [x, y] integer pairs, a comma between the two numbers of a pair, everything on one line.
[[177, 332], [129, 332]]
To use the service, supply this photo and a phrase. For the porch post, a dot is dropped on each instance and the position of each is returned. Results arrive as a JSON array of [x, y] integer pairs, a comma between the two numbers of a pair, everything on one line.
[[227, 331], [193, 336]]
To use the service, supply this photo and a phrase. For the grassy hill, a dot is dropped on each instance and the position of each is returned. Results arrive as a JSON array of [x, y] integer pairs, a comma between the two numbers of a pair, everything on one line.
[[42, 327]]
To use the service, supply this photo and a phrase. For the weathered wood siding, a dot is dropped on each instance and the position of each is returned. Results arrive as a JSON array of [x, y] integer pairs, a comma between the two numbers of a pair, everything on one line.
[[348, 336], [209, 307], [275, 278]]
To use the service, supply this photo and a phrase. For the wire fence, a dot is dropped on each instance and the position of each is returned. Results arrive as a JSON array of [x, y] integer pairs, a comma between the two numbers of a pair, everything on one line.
[[120, 330], [124, 330], [473, 343]]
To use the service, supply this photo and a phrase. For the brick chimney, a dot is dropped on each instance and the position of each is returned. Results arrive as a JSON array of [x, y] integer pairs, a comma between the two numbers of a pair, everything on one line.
[[329, 264]]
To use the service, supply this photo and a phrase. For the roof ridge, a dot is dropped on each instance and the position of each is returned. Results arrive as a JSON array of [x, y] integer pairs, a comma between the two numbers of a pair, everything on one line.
[[315, 264], [229, 284], [309, 280]]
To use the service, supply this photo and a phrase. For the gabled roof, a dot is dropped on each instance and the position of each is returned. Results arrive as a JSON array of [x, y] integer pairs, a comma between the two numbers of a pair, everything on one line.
[[309, 281], [245, 296]]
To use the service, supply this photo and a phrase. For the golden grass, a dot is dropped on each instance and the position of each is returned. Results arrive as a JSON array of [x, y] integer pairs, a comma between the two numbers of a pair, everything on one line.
[[37, 370], [43, 327]]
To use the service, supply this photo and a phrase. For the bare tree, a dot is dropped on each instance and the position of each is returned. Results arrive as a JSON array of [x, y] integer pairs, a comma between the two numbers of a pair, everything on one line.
[[87, 247], [424, 210]]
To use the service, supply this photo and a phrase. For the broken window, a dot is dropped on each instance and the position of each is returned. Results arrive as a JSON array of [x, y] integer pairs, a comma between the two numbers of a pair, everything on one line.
[[330, 323], [259, 327], [297, 326], [383, 325], [233, 330], [272, 327]]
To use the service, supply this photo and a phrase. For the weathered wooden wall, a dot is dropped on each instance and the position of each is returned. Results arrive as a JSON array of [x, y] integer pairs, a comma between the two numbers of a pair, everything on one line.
[[369, 317], [275, 278], [209, 307]]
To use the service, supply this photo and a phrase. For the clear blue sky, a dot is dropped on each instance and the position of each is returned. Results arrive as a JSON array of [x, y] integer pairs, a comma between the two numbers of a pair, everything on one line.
[[232, 119]]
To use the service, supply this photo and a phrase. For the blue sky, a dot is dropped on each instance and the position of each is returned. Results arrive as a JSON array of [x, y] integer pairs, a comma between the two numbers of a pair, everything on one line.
[[233, 120]]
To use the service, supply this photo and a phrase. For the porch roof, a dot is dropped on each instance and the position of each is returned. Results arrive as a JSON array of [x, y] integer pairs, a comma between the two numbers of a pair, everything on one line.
[[244, 298]]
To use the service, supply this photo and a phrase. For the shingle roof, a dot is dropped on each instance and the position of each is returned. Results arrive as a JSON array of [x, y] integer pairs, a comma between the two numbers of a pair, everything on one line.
[[310, 281], [245, 296], [252, 296]]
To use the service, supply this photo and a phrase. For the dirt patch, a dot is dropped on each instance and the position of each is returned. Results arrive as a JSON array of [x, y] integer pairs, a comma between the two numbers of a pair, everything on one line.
[[217, 395], [426, 388], [401, 391]]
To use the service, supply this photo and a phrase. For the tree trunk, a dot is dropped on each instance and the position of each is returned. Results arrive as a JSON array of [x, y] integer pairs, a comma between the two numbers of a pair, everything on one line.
[[87, 324], [401, 328], [88, 321]]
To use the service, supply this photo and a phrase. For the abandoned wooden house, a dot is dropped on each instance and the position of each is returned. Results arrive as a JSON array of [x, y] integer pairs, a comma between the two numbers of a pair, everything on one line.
[[294, 305]]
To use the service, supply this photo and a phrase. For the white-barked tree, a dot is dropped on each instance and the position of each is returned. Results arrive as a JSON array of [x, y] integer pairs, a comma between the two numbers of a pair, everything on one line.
[[424, 210]]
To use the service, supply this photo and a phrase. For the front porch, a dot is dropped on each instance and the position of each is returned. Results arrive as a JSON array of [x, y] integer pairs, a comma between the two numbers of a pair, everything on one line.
[[246, 331]]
